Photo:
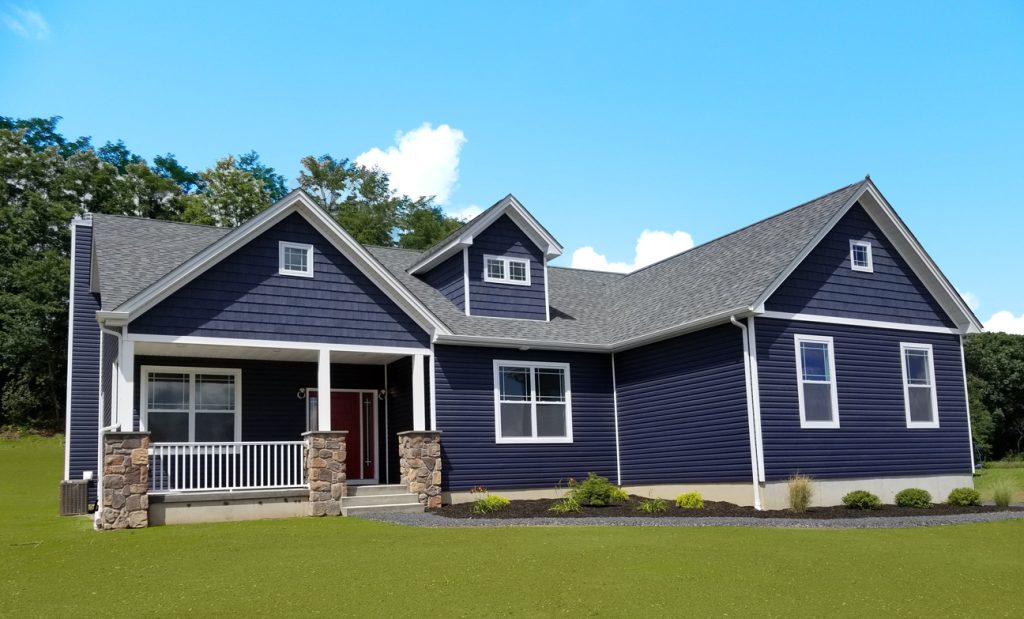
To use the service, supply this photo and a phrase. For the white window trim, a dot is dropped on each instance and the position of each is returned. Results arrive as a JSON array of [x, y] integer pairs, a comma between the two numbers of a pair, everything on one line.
[[870, 268], [904, 347], [281, 270], [507, 261], [804, 423], [146, 370], [498, 438]]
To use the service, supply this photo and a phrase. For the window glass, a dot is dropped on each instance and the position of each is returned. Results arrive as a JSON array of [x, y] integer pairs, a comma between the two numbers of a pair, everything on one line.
[[515, 420], [818, 402], [551, 420], [174, 414], [550, 384], [168, 427], [816, 382], [295, 259], [215, 392], [919, 386], [495, 269], [168, 392], [917, 366], [920, 403], [815, 360], [517, 271], [515, 383], [215, 427], [533, 402]]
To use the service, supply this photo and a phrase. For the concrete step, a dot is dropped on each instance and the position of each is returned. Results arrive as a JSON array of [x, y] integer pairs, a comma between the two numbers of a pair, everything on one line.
[[400, 508], [379, 499], [371, 490]]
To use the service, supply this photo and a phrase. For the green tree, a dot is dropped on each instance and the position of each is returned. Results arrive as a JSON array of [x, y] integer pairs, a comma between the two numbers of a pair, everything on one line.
[[423, 226], [232, 193], [995, 368]]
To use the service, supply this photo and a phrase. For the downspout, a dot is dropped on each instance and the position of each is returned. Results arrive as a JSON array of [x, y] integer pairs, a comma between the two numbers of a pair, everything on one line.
[[615, 412], [750, 412], [103, 430]]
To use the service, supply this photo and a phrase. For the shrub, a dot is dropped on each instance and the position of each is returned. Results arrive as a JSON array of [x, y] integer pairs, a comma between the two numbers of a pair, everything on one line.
[[964, 497], [690, 500], [597, 491], [801, 491], [1002, 492], [568, 505], [652, 506], [914, 497], [861, 499], [485, 503]]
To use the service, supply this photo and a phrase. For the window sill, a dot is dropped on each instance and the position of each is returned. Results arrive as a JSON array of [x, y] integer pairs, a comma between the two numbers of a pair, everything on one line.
[[533, 441], [819, 425]]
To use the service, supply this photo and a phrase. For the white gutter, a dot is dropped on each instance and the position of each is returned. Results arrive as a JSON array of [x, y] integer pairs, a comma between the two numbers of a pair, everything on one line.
[[750, 413]]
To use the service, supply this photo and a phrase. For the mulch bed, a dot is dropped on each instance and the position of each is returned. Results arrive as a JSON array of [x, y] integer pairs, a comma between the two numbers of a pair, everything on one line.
[[541, 508]]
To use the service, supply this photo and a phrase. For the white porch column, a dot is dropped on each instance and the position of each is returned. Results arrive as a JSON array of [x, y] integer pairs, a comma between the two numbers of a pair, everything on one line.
[[419, 409], [125, 405], [323, 388]]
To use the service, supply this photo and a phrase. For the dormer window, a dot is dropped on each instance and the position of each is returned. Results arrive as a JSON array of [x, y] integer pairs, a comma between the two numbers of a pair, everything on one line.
[[860, 256], [295, 259], [503, 270]]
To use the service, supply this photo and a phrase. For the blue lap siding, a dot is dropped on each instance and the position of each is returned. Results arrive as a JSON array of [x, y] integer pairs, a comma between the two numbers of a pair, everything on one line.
[[243, 296], [465, 417], [84, 359], [824, 283], [505, 238], [873, 439], [683, 409], [448, 277]]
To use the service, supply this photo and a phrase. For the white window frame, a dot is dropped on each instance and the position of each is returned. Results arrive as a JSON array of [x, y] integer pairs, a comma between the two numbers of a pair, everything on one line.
[[934, 423], [146, 370], [284, 245], [506, 261], [531, 365], [834, 382], [870, 268]]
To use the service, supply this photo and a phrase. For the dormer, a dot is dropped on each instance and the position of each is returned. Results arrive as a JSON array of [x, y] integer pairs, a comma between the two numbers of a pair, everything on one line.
[[495, 265]]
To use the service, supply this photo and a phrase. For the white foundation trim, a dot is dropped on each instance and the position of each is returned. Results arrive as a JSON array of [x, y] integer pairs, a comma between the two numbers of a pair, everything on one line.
[[831, 491]]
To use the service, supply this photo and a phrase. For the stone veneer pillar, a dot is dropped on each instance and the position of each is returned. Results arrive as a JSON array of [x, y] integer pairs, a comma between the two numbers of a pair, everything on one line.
[[125, 500], [419, 456], [325, 470]]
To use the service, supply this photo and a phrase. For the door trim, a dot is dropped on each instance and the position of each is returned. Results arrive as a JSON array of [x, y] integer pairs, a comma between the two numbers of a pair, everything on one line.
[[376, 433]]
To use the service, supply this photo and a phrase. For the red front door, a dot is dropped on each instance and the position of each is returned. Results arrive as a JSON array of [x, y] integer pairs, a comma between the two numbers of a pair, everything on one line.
[[353, 411]]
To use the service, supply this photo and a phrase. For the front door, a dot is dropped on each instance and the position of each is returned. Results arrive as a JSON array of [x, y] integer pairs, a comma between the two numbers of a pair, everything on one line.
[[355, 412]]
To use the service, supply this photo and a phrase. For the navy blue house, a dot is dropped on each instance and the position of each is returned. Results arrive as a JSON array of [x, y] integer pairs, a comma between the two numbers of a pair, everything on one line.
[[822, 340]]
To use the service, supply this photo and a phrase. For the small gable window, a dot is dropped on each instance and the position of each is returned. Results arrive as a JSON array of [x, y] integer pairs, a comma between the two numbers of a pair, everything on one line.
[[295, 259], [503, 270], [860, 256]]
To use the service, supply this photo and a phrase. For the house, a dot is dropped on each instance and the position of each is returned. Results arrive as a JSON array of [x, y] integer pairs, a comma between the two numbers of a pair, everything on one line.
[[822, 340]]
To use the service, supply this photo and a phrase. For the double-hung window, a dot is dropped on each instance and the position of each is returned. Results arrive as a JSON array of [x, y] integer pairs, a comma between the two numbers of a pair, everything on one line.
[[816, 382], [860, 256], [919, 397], [532, 402], [194, 405], [504, 270], [295, 259]]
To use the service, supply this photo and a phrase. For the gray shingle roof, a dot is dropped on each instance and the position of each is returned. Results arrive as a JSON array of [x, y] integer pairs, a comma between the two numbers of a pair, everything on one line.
[[588, 307]]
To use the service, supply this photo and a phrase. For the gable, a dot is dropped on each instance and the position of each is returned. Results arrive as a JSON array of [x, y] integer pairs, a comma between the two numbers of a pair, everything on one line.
[[449, 278], [824, 283], [243, 296], [504, 238]]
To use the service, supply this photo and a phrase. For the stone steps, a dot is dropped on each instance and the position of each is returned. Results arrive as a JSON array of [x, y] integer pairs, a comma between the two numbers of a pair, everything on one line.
[[399, 508], [371, 490], [379, 499]]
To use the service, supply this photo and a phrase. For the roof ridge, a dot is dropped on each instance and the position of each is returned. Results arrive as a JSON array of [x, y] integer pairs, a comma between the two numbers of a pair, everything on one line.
[[162, 221]]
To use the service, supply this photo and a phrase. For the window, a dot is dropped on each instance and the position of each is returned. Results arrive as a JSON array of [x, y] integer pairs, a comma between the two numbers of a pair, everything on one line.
[[532, 402], [816, 382], [295, 259], [860, 256], [502, 270], [191, 405], [919, 397]]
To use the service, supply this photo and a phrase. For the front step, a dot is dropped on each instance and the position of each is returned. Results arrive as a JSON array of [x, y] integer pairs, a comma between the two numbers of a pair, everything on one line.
[[401, 508], [392, 498], [368, 490], [379, 499]]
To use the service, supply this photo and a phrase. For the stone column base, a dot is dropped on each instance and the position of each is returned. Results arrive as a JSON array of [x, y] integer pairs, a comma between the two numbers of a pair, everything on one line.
[[325, 471], [125, 500], [419, 456]]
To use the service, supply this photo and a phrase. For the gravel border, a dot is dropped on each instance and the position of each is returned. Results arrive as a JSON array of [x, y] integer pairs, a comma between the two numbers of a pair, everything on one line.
[[434, 521]]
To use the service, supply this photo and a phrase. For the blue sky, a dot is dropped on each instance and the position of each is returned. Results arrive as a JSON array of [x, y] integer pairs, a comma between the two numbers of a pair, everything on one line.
[[605, 119]]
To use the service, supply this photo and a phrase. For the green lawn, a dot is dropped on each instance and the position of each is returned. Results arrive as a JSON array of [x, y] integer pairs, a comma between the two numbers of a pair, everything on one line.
[[57, 566], [989, 477]]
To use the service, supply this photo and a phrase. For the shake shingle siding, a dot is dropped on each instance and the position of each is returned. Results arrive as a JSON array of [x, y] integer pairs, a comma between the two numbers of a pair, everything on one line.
[[504, 238], [448, 277], [243, 296], [466, 417], [85, 363], [683, 410], [873, 439], [825, 284]]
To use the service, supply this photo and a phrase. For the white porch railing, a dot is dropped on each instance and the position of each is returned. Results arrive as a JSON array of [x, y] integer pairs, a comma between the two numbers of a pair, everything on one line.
[[246, 465]]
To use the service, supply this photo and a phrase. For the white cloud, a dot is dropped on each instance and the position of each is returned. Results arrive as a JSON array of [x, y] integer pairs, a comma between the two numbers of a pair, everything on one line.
[[971, 300], [424, 162], [26, 24], [467, 213], [652, 246], [1006, 322]]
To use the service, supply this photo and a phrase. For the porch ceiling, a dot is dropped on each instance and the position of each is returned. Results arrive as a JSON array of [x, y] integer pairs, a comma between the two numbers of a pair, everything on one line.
[[258, 353]]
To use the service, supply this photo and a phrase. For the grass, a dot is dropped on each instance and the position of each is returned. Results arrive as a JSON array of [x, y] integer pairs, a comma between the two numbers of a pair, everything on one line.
[[988, 479], [56, 566]]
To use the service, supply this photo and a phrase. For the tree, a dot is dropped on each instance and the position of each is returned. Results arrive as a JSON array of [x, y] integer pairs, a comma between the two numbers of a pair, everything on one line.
[[995, 367], [233, 192], [423, 226]]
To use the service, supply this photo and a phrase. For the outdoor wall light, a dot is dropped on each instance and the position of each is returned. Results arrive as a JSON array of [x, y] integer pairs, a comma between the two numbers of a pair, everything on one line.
[[301, 393]]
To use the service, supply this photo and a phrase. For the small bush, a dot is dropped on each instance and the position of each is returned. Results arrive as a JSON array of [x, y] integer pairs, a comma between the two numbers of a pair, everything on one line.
[[914, 497], [490, 503], [964, 497], [652, 506], [568, 505], [690, 500], [801, 491], [597, 491], [861, 499], [1002, 492]]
